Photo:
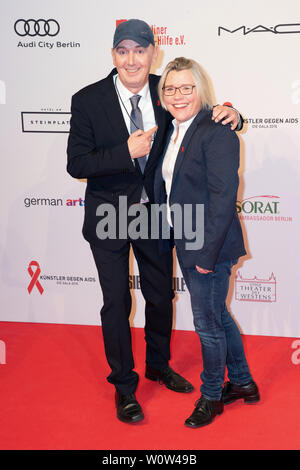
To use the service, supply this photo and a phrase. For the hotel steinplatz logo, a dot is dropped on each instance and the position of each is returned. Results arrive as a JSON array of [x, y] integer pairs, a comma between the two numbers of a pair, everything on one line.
[[45, 121], [255, 289]]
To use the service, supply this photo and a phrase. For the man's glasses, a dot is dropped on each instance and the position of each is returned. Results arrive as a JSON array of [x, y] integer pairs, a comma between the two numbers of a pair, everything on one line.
[[184, 90]]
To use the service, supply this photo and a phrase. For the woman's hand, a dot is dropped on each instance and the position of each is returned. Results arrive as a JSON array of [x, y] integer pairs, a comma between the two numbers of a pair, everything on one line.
[[202, 270]]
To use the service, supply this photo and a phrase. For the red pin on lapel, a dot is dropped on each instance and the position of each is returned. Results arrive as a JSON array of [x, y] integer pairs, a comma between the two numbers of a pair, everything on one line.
[[182, 148], [158, 103]]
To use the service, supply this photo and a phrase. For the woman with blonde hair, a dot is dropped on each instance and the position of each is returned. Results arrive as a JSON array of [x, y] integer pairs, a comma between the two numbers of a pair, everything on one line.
[[200, 167]]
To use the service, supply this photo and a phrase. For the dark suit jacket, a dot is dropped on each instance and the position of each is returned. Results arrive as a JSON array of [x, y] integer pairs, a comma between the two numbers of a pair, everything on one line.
[[206, 172], [98, 150]]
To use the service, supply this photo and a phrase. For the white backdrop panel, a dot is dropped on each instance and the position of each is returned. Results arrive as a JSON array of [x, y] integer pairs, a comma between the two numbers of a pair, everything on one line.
[[250, 51]]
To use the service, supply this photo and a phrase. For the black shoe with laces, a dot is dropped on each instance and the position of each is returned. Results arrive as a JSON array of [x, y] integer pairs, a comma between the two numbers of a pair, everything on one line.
[[128, 408], [170, 379], [204, 413], [231, 392]]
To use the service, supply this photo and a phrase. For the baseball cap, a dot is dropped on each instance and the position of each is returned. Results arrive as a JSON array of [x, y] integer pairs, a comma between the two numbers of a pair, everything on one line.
[[136, 30]]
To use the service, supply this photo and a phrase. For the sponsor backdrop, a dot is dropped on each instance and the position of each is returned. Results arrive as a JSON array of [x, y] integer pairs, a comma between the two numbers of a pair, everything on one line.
[[49, 51]]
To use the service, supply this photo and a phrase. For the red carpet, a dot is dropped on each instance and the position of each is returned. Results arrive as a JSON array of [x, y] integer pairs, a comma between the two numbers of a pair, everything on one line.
[[54, 395]]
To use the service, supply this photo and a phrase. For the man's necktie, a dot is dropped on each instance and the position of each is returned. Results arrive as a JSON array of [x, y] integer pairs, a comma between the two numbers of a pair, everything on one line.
[[136, 122]]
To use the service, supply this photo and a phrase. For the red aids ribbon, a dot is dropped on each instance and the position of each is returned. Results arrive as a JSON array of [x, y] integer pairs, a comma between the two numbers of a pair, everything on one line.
[[34, 276]]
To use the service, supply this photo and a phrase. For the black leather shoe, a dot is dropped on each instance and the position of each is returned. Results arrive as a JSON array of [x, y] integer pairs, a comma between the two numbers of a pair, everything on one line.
[[171, 379], [232, 392], [128, 409], [204, 412]]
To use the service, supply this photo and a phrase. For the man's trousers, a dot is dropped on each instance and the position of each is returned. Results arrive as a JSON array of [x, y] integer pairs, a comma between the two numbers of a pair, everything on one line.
[[155, 270]]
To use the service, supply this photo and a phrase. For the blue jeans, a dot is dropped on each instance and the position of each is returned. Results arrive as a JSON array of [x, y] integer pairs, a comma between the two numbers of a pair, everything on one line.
[[220, 338]]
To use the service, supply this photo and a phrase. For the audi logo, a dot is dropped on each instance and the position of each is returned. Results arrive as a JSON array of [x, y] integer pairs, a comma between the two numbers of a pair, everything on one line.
[[38, 27]]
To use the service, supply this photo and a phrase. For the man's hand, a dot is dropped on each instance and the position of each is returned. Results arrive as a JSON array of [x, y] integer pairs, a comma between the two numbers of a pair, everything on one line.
[[226, 115], [202, 270], [139, 142]]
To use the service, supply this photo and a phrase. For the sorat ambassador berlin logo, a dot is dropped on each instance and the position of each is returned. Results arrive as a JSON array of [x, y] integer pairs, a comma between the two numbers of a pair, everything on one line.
[[162, 36], [263, 208]]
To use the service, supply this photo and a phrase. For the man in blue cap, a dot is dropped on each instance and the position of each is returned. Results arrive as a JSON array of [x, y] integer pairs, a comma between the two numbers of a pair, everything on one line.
[[116, 138]]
